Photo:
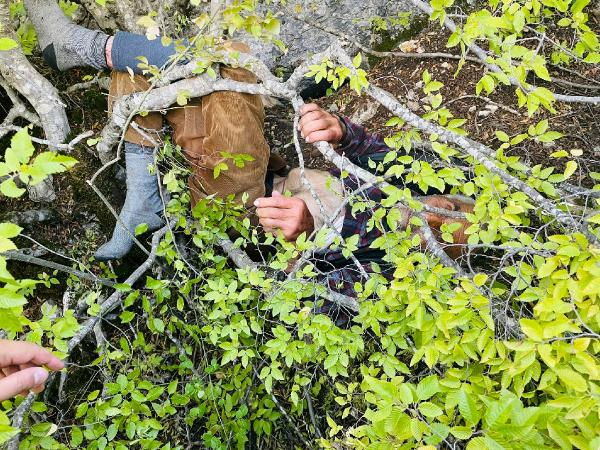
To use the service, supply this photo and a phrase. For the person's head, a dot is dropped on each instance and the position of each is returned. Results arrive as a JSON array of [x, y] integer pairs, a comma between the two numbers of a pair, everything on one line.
[[456, 203]]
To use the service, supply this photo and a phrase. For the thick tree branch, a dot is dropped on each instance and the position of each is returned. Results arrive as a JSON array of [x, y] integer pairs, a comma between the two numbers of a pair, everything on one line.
[[41, 94]]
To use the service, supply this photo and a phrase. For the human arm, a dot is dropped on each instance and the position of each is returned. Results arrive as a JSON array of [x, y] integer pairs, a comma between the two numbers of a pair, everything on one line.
[[23, 367], [348, 138]]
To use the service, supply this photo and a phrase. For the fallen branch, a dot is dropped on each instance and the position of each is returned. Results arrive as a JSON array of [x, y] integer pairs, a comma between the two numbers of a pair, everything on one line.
[[68, 147], [100, 81], [238, 256], [18, 256], [29, 217], [480, 153], [114, 300], [17, 419], [379, 54]]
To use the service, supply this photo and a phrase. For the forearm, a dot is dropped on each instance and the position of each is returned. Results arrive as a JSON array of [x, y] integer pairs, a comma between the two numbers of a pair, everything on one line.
[[358, 145]]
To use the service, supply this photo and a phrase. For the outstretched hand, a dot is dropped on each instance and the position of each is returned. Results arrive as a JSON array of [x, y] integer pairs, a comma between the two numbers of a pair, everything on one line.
[[23, 368], [286, 215], [316, 124]]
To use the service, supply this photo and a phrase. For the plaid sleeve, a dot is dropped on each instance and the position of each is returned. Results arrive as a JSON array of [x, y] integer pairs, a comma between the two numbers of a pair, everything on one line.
[[359, 146]]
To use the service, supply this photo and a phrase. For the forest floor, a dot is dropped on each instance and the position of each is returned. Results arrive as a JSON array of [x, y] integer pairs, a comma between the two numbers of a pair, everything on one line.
[[81, 222]]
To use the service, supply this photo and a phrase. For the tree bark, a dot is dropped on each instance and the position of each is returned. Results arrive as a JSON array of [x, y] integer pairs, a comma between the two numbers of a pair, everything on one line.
[[39, 92]]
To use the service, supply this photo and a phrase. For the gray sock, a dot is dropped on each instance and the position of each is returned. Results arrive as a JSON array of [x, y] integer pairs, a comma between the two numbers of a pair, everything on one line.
[[64, 44], [143, 203]]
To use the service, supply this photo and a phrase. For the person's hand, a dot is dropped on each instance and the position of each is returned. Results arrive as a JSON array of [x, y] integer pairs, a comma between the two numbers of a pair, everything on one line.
[[287, 215], [316, 124], [22, 368]]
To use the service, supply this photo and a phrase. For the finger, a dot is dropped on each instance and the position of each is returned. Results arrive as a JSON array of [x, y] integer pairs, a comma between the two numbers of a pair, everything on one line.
[[305, 109], [273, 202], [272, 213], [317, 125], [324, 135], [313, 116], [39, 388], [9, 370], [18, 352], [22, 381], [272, 224]]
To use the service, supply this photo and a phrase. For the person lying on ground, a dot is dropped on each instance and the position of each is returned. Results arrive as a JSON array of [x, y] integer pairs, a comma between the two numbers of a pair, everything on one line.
[[206, 128], [300, 213], [221, 122], [24, 367]]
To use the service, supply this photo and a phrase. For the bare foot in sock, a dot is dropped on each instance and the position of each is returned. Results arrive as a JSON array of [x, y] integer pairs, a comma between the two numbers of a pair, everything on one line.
[[64, 44]]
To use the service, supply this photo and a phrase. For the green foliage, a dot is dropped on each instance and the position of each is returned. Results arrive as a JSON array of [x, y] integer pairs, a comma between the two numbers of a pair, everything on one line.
[[338, 75], [503, 27], [18, 164]]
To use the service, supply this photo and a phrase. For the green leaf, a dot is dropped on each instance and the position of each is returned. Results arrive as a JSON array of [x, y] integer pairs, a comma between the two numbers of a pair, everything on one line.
[[141, 229], [480, 279], [76, 437], [487, 83], [7, 432], [468, 408], [21, 148], [127, 316], [499, 412], [183, 97], [10, 189], [572, 379], [9, 230], [533, 329], [547, 268], [550, 136], [221, 167], [461, 432], [570, 169], [10, 299], [428, 409], [428, 387], [398, 424], [7, 44], [477, 444], [50, 163], [502, 136]]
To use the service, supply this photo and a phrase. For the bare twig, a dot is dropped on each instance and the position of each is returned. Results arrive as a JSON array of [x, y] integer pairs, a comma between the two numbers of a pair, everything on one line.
[[18, 256], [287, 417]]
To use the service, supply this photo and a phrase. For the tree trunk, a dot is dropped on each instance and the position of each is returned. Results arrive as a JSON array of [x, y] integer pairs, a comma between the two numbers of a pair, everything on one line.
[[39, 92]]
